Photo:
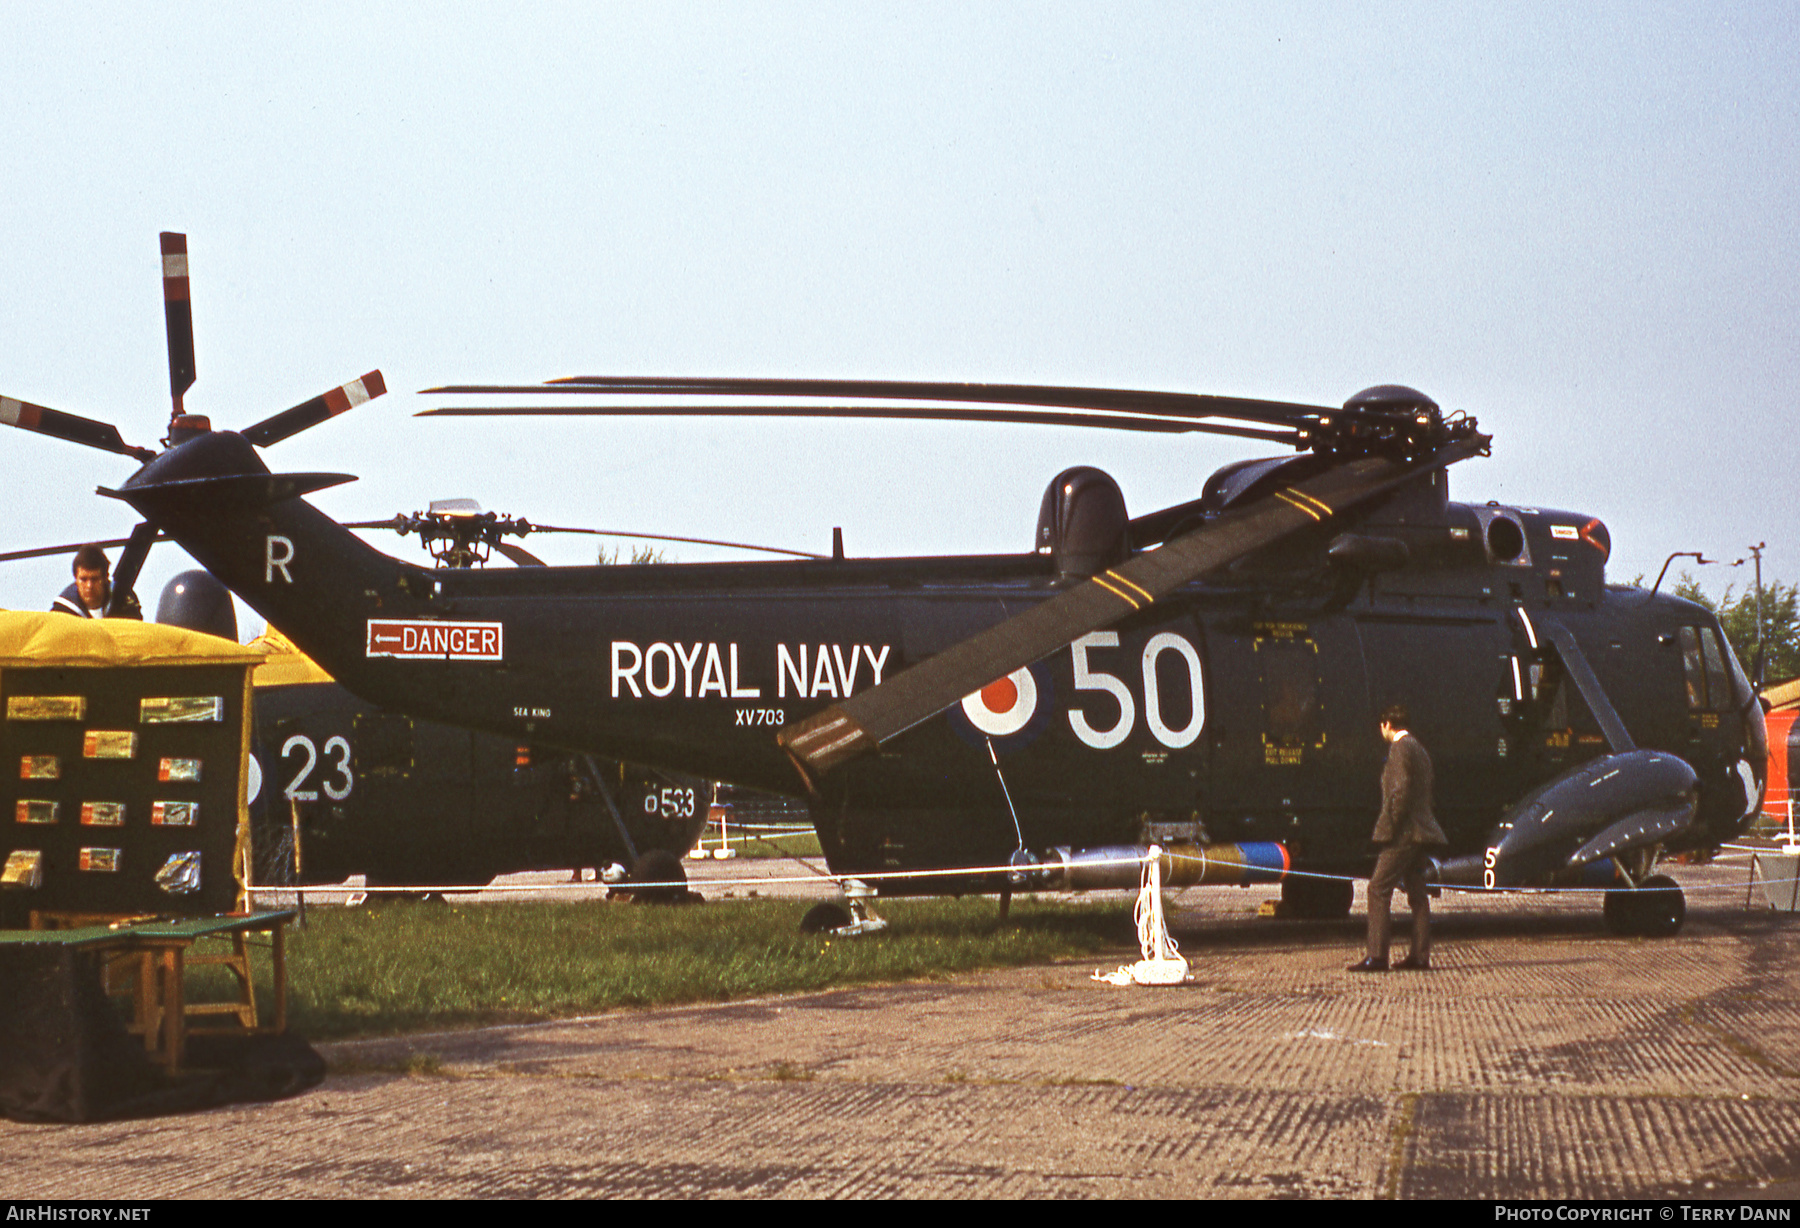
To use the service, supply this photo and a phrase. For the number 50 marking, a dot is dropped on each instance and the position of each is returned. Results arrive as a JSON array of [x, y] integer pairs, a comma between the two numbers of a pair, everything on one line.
[[1089, 679]]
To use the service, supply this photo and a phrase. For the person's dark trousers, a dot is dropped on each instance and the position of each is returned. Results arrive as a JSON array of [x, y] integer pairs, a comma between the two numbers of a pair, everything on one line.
[[1399, 865]]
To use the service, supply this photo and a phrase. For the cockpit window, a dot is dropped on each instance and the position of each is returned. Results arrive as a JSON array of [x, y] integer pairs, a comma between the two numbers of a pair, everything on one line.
[[1693, 668], [1742, 691], [1718, 685]]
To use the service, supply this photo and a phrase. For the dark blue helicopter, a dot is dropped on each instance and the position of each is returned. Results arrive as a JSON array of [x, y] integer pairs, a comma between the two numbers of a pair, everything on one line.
[[1205, 676]]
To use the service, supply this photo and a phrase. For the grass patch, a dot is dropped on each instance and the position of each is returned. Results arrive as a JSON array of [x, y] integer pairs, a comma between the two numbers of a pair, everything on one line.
[[768, 848], [392, 968]]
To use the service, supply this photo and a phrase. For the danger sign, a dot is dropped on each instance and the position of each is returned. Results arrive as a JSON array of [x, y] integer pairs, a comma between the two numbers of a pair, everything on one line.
[[422, 639]]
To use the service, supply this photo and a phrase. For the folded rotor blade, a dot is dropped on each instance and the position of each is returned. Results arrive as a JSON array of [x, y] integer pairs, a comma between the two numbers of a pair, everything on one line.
[[1126, 400], [311, 413], [943, 413], [920, 692], [72, 427], [178, 315]]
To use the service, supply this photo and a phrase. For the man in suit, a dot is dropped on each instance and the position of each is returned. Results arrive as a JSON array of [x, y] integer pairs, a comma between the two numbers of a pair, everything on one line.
[[1406, 832]]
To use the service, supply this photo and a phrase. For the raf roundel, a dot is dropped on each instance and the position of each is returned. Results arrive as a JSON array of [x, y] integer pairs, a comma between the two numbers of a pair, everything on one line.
[[1004, 706]]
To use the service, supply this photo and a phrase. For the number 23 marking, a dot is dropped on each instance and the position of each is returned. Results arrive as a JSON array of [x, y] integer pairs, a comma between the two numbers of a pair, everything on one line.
[[338, 791]]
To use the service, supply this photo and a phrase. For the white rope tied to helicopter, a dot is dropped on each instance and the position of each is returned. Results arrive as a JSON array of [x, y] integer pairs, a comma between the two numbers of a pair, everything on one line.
[[1162, 963]]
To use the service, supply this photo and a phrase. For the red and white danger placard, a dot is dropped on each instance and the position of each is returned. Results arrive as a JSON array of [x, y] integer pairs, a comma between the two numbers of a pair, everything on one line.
[[434, 640]]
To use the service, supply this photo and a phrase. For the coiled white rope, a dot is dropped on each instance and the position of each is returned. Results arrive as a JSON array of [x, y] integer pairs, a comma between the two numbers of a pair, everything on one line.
[[1162, 963]]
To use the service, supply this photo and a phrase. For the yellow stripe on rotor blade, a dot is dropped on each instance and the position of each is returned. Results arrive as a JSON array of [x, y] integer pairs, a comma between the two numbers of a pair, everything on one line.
[[1136, 588], [1120, 593], [1319, 505], [1292, 499]]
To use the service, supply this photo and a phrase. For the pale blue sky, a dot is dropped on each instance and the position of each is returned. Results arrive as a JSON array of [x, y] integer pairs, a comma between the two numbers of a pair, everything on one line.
[[1575, 222]]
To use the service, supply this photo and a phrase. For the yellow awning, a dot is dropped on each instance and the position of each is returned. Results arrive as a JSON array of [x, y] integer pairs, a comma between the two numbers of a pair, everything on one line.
[[1784, 695]]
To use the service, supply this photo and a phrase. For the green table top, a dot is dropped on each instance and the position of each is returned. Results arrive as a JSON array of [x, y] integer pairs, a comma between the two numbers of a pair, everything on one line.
[[176, 928]]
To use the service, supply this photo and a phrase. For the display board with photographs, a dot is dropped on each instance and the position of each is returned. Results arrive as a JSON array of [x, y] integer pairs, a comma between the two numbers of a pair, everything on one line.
[[121, 789]]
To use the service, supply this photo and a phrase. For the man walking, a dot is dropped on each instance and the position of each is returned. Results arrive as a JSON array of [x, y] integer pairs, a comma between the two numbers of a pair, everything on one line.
[[1406, 831]]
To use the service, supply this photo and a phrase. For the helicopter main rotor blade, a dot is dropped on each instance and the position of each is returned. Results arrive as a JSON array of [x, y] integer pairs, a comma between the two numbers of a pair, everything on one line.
[[178, 315], [1149, 403], [869, 718], [692, 541], [13, 556], [945, 413], [72, 427], [310, 413], [524, 558], [401, 524]]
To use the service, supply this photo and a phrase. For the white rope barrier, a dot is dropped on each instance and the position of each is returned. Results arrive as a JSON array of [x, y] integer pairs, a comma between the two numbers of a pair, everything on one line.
[[815, 875]]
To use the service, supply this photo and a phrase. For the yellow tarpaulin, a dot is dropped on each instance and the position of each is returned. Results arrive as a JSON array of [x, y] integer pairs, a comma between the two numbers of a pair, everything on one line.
[[285, 665], [61, 640]]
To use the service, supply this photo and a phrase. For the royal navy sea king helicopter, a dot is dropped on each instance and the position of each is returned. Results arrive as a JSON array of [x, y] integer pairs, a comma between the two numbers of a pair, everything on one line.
[[1205, 675]]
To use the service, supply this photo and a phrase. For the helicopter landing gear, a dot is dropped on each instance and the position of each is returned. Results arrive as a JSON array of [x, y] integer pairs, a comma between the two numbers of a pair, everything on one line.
[[824, 918], [1316, 899], [659, 866], [1654, 909], [854, 914]]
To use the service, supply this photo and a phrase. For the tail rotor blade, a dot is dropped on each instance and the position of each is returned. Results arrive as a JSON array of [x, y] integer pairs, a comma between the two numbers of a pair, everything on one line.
[[311, 413], [72, 427], [178, 313]]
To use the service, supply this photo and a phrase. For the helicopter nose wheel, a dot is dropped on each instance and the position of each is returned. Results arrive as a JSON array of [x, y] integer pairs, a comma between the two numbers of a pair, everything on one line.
[[1654, 910]]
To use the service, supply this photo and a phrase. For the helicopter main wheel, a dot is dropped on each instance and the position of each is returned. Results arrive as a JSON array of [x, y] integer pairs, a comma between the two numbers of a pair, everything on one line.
[[1654, 910], [659, 866], [823, 918], [1317, 899]]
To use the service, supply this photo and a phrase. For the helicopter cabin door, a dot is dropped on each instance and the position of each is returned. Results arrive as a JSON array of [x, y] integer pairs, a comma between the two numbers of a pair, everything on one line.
[[1454, 676], [1288, 693]]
